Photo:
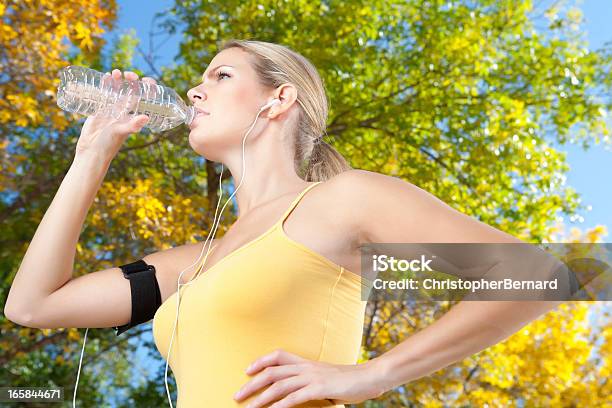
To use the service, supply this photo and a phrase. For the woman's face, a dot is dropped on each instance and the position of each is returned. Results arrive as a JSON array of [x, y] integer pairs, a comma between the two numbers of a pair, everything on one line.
[[231, 95]]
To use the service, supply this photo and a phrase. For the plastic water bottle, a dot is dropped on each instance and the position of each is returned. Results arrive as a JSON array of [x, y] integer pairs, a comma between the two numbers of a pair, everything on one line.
[[89, 92]]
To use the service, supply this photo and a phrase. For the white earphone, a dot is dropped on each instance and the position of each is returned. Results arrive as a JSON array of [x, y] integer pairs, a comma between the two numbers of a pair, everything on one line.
[[273, 102]]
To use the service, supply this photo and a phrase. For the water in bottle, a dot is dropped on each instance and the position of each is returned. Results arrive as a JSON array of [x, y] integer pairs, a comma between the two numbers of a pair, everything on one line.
[[89, 92]]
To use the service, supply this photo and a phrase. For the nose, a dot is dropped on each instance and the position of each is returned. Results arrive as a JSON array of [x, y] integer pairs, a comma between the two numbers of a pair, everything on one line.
[[194, 94]]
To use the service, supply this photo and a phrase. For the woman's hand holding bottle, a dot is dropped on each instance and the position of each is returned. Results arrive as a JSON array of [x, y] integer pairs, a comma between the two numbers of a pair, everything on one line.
[[102, 136]]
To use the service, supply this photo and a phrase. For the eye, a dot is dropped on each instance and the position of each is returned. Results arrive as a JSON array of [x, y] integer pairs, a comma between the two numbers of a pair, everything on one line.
[[221, 73]]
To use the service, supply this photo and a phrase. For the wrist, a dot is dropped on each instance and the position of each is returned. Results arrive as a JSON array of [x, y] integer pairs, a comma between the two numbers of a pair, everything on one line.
[[92, 160], [90, 166], [379, 372]]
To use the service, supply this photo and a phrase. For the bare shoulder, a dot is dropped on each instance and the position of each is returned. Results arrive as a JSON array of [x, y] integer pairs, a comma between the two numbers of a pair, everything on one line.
[[354, 197], [388, 209], [360, 187], [356, 179]]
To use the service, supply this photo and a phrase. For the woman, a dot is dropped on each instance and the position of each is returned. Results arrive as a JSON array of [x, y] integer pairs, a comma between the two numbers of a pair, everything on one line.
[[281, 290]]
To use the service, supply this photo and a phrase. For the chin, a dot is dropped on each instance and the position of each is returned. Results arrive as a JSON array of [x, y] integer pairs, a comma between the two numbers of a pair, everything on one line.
[[204, 145], [196, 142]]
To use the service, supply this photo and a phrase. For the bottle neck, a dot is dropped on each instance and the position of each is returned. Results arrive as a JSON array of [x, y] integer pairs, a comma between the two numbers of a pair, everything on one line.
[[191, 113]]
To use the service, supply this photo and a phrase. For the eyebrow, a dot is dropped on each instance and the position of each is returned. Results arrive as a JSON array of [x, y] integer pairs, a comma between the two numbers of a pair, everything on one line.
[[217, 67]]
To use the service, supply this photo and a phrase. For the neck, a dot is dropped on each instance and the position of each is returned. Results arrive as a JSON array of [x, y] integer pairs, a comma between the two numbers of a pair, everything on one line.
[[270, 171]]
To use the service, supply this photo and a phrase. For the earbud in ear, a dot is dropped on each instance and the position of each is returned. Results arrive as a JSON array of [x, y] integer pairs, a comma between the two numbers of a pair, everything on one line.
[[271, 103]]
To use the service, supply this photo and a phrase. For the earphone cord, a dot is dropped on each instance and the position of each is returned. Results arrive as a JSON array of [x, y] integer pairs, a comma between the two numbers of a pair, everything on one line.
[[213, 232], [79, 371]]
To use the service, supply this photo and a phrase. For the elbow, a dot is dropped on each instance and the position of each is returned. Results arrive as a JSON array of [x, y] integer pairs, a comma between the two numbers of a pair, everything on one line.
[[25, 319], [18, 312], [20, 315], [32, 318]]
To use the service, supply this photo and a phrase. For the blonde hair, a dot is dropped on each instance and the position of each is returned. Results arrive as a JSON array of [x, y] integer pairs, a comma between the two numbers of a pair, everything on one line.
[[275, 64]]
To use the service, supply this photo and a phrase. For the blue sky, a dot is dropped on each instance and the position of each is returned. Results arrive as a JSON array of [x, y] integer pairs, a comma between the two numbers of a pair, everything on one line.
[[588, 169]]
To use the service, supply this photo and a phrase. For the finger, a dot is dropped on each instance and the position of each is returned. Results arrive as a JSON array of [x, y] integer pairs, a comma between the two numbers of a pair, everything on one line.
[[279, 390], [302, 395], [151, 87], [132, 91], [125, 102], [133, 125], [106, 84], [277, 357], [130, 76], [268, 376], [116, 74], [118, 103], [139, 121], [116, 78]]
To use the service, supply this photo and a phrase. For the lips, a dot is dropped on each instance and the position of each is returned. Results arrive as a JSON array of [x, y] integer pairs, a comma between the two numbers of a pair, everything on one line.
[[199, 113]]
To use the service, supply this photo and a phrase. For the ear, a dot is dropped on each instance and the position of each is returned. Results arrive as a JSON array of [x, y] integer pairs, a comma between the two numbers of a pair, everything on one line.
[[287, 94]]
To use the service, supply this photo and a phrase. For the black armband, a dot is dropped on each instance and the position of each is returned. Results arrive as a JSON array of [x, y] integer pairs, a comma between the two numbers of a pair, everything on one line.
[[146, 297]]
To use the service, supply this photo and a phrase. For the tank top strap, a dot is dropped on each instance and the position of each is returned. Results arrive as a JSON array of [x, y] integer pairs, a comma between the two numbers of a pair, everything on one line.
[[296, 201]]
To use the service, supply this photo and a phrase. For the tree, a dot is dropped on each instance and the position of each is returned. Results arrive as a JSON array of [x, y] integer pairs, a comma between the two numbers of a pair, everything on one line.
[[32, 50], [37, 38], [36, 153], [458, 98]]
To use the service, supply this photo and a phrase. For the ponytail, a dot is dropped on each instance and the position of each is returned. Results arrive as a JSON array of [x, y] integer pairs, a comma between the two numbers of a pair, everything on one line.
[[325, 162]]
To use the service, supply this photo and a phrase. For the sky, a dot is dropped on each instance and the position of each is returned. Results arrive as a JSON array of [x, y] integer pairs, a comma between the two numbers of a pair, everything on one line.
[[590, 171]]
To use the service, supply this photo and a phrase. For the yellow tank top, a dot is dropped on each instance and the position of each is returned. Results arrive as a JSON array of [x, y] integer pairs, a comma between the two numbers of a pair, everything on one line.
[[272, 292]]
